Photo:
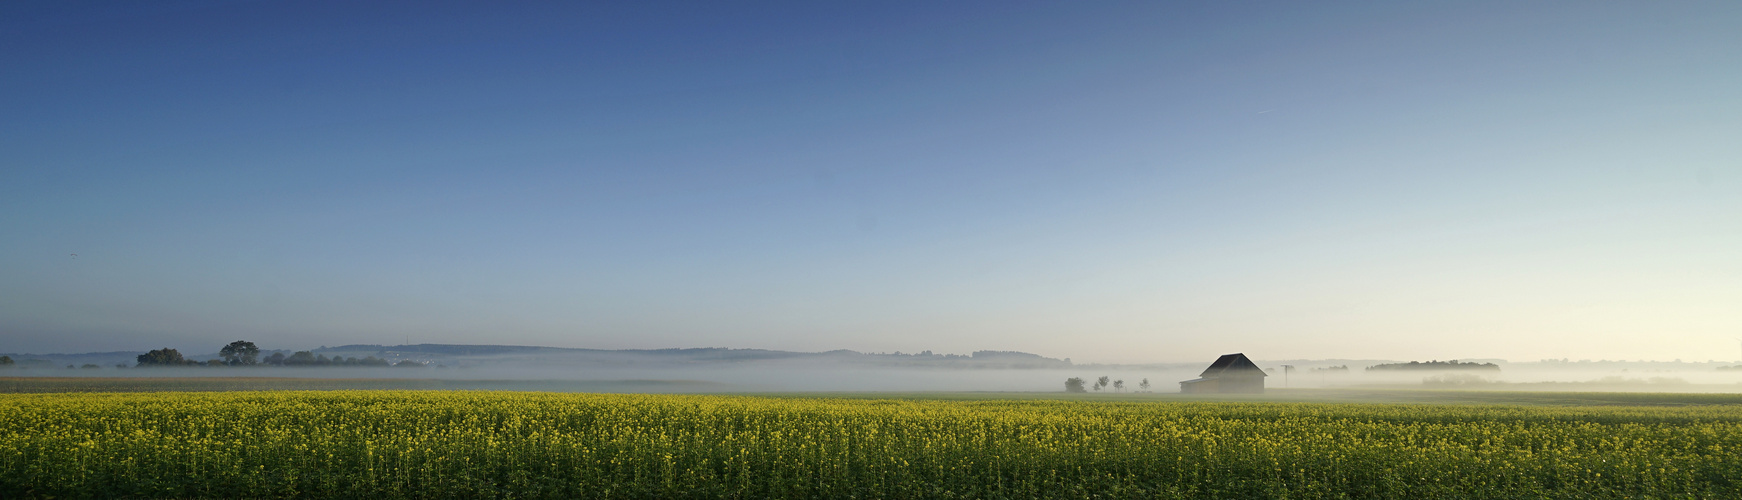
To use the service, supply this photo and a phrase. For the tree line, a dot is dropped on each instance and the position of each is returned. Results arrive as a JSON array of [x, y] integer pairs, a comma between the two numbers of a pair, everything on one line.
[[8, 362], [1435, 365], [245, 353], [1077, 384]]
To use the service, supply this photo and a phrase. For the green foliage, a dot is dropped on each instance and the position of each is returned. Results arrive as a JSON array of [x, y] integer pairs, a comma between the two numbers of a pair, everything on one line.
[[162, 357], [240, 352], [492, 444], [300, 358], [1074, 384]]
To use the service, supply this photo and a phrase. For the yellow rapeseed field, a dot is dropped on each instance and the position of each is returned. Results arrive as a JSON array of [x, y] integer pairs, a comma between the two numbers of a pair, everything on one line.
[[424, 444]]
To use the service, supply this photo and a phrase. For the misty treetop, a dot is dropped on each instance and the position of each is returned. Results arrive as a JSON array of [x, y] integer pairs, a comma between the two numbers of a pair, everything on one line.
[[240, 352], [1077, 384], [163, 357], [308, 358], [1435, 365], [1074, 384], [245, 353]]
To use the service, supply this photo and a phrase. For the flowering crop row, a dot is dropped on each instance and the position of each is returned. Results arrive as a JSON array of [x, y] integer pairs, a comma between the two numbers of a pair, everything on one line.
[[422, 444]]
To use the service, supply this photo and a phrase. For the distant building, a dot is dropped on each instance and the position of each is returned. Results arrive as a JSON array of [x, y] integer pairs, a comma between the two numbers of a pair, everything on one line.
[[1230, 374]]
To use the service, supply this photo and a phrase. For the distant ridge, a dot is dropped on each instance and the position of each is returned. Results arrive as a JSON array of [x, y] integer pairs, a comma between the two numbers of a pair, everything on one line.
[[693, 356]]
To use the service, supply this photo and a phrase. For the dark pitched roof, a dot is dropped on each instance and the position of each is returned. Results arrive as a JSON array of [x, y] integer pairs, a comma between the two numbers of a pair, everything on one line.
[[1234, 362]]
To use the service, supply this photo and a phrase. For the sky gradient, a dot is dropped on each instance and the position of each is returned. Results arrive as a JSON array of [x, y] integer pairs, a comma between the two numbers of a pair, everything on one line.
[[1110, 182]]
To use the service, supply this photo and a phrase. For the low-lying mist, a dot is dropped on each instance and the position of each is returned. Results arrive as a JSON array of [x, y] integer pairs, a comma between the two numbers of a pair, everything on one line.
[[555, 372]]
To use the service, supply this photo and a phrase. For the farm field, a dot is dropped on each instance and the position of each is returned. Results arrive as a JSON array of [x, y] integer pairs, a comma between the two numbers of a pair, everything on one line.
[[428, 444], [221, 384]]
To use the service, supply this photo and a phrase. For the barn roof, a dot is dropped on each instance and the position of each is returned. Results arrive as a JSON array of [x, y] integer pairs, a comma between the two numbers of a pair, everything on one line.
[[1231, 362]]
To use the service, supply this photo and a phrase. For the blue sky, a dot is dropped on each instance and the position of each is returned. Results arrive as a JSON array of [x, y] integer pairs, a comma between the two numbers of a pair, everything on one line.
[[1104, 181]]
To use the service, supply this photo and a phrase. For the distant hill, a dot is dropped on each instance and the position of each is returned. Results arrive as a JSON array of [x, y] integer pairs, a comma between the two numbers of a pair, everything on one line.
[[546, 356], [57, 360], [497, 355]]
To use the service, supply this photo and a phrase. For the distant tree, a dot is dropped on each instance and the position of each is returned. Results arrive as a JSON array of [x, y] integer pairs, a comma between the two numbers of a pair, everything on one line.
[[321, 360], [300, 358], [161, 357], [6, 361], [276, 359], [70, 367], [1436, 365], [90, 366], [373, 361], [1144, 384], [240, 352], [1101, 383], [216, 362], [1074, 384], [1119, 385], [408, 364]]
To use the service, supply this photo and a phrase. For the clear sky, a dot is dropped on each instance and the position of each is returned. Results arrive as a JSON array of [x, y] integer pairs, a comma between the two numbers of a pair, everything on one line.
[[1106, 181]]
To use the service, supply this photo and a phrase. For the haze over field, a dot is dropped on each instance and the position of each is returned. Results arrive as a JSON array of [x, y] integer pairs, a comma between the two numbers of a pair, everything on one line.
[[1106, 182]]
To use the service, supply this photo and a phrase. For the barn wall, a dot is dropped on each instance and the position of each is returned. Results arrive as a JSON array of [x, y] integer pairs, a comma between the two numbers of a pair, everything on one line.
[[1242, 384], [1198, 387]]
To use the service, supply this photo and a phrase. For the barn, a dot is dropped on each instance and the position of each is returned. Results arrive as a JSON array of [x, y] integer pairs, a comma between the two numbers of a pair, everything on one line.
[[1230, 374]]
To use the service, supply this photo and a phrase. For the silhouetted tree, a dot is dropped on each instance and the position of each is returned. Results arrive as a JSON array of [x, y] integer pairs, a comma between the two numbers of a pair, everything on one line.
[[90, 366], [276, 359], [240, 352], [408, 364], [1074, 384], [1119, 385], [1144, 384], [1101, 383], [373, 361], [6, 361], [161, 357]]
